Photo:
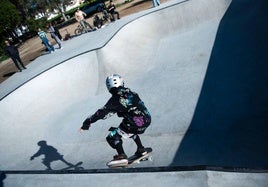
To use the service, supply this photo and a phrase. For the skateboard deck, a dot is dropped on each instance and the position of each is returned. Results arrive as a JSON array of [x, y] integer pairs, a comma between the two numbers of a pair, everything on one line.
[[134, 159]]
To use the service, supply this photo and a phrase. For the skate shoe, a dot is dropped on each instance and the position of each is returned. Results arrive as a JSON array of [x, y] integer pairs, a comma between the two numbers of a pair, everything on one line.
[[120, 157], [119, 160], [141, 152]]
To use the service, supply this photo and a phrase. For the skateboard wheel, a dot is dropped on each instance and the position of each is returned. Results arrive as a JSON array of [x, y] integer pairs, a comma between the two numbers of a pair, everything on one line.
[[144, 159], [150, 158]]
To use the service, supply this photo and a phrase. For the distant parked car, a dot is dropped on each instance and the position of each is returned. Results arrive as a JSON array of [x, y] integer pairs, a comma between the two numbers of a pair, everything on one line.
[[93, 7]]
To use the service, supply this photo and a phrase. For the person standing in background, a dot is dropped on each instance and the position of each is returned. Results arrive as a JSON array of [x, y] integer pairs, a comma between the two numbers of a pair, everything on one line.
[[111, 10], [45, 41], [57, 32], [52, 31], [13, 53], [156, 3]]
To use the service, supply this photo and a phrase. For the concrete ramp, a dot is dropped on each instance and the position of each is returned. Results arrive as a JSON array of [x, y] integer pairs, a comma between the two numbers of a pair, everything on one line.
[[229, 126], [163, 55]]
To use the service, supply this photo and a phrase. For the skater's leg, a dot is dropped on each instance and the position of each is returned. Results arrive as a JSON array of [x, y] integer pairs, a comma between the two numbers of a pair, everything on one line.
[[137, 140], [115, 141], [140, 148]]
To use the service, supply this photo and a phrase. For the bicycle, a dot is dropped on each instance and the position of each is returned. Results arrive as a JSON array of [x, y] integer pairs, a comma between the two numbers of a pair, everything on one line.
[[81, 30]]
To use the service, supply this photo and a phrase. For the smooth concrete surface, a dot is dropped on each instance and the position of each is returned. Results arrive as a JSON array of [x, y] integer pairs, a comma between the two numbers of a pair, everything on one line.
[[189, 179], [175, 57]]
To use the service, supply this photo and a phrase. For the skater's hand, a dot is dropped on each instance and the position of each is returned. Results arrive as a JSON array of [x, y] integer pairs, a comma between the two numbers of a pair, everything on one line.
[[81, 130], [86, 125], [31, 158]]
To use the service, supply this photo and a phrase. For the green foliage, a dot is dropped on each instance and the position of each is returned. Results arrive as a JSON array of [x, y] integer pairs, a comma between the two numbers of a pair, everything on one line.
[[9, 17], [33, 24], [4, 57], [70, 13]]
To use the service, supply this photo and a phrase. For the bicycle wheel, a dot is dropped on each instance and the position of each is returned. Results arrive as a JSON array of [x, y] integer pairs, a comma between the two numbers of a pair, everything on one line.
[[78, 31]]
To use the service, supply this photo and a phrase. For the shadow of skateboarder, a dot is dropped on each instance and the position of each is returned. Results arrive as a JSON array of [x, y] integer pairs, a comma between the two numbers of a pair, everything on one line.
[[51, 154]]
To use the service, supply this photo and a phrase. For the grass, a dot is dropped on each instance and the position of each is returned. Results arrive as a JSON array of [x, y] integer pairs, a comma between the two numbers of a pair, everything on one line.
[[2, 58]]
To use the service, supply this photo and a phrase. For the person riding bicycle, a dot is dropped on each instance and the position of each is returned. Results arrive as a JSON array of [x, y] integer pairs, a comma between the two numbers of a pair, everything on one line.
[[79, 16]]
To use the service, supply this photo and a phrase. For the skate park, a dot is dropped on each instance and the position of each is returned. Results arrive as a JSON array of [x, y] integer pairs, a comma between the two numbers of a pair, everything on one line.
[[199, 66]]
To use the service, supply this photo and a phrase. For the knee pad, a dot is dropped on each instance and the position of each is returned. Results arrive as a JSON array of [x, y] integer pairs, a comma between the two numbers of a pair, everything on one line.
[[114, 139]]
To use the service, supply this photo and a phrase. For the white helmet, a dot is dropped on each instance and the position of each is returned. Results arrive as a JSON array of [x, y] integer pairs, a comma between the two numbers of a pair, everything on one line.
[[114, 81]]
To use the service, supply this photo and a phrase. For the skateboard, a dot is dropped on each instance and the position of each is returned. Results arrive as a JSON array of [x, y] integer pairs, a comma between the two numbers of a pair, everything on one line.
[[134, 159]]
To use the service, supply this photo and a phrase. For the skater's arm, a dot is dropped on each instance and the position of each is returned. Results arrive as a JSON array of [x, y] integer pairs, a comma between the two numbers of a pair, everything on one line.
[[108, 110], [100, 114]]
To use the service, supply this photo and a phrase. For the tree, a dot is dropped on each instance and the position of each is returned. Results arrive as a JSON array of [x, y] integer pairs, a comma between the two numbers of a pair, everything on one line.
[[41, 6], [21, 7], [60, 6], [9, 17]]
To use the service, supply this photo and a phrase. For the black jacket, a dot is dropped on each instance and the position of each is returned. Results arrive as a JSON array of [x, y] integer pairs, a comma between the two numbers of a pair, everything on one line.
[[11, 50], [125, 104]]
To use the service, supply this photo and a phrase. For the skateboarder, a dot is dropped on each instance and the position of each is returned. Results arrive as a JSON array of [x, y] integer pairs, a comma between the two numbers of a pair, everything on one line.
[[126, 104]]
